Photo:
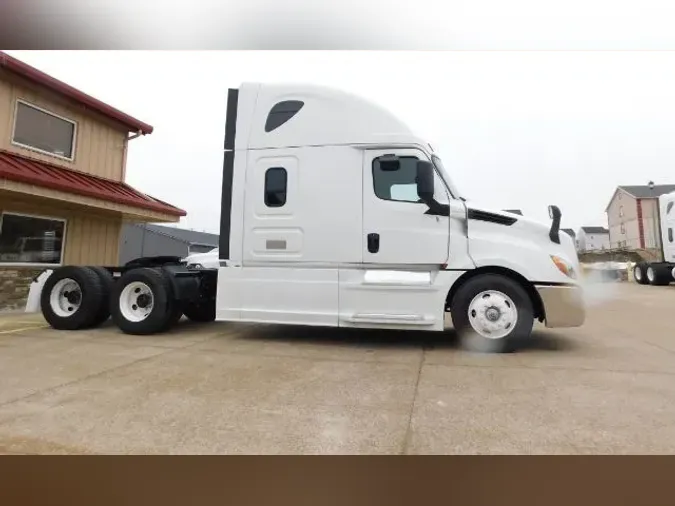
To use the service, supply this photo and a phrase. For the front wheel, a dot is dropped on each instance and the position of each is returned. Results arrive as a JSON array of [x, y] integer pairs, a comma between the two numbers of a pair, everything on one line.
[[491, 313]]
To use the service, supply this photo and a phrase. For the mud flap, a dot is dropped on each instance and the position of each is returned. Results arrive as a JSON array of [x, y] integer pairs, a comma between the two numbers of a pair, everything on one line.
[[33, 302]]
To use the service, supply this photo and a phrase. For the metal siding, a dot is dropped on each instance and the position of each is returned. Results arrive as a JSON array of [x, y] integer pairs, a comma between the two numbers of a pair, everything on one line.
[[99, 147], [157, 245], [134, 244], [6, 115], [131, 242]]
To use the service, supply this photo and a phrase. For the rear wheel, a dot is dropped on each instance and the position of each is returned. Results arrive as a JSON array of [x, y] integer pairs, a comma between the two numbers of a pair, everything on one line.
[[639, 273], [104, 308], [658, 275], [491, 313], [71, 298], [142, 302]]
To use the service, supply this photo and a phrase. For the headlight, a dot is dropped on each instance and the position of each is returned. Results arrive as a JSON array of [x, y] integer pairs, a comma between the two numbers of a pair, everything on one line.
[[564, 267]]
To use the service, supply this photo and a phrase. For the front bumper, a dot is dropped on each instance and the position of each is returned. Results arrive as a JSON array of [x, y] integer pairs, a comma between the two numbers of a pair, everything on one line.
[[563, 305]]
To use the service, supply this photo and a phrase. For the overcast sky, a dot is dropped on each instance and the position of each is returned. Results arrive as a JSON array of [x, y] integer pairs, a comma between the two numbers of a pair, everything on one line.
[[515, 129]]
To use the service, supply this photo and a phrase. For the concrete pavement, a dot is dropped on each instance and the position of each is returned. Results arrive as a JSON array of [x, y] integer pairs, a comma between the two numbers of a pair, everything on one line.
[[608, 387]]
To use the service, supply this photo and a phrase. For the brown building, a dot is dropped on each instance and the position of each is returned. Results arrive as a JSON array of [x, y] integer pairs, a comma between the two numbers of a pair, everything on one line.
[[63, 198], [633, 216]]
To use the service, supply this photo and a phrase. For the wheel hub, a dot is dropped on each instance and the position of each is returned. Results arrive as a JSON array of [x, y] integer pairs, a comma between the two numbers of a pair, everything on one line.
[[492, 314], [143, 300], [73, 297]]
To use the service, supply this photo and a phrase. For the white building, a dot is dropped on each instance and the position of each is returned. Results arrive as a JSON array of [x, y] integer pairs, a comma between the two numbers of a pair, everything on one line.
[[593, 239]]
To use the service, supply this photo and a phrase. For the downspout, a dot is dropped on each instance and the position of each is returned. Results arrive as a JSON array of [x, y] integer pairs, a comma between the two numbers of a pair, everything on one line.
[[145, 227], [125, 150]]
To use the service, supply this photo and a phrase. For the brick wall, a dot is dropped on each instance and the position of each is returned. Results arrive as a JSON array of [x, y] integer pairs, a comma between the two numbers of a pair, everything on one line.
[[14, 285]]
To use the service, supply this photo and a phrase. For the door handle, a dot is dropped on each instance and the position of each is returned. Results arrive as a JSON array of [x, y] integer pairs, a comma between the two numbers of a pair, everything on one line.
[[373, 243]]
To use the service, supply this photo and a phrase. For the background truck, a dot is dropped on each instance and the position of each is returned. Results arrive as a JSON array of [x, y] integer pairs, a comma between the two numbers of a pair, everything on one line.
[[663, 271], [334, 213]]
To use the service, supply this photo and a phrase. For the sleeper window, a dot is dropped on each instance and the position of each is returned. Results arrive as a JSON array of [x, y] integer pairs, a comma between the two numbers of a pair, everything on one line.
[[281, 113], [276, 182]]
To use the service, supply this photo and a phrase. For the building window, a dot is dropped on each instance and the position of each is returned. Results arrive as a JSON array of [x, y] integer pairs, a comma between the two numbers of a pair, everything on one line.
[[31, 239], [276, 182], [623, 228], [670, 235], [395, 178], [619, 195], [621, 211], [281, 113], [43, 131]]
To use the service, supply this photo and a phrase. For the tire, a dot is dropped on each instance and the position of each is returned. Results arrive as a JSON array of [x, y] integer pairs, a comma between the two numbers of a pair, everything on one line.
[[658, 275], [141, 302], [489, 296], [108, 282], [640, 273], [71, 298], [202, 313]]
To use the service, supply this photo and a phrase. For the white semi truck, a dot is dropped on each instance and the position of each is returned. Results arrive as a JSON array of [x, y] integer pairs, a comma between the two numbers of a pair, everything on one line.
[[661, 272], [334, 213]]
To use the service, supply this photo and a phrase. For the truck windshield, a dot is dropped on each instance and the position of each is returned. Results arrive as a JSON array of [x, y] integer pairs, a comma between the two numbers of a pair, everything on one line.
[[446, 177]]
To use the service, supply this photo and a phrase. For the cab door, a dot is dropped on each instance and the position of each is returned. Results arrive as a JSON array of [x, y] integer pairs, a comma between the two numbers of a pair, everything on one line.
[[397, 226]]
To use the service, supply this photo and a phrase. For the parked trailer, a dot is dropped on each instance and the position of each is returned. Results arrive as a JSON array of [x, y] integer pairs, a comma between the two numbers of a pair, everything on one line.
[[662, 272], [334, 213]]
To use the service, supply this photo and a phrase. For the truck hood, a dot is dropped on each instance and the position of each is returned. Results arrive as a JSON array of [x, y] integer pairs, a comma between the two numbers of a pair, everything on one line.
[[529, 223], [524, 246]]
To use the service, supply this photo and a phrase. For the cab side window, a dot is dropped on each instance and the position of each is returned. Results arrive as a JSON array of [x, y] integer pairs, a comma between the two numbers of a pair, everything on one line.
[[395, 178]]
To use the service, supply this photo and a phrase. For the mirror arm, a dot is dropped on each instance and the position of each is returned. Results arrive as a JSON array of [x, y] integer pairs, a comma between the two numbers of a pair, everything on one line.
[[436, 208]]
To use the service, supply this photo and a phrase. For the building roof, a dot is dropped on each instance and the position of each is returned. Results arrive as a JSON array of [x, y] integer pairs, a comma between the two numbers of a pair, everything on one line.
[[26, 170], [595, 230], [186, 236], [647, 192], [569, 231], [32, 74]]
